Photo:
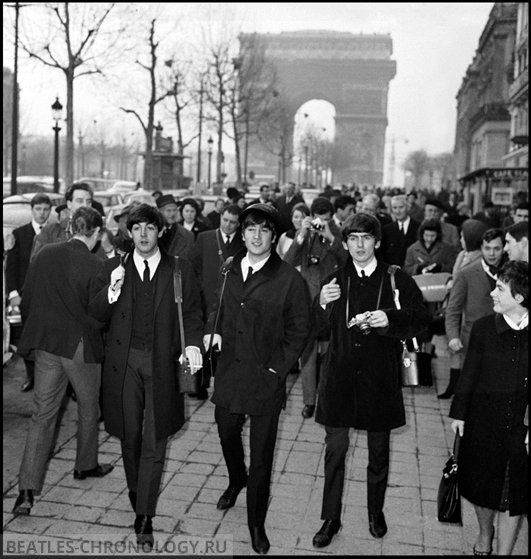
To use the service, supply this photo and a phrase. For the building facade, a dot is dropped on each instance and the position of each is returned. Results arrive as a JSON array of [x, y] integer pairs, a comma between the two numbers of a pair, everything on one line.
[[484, 128]]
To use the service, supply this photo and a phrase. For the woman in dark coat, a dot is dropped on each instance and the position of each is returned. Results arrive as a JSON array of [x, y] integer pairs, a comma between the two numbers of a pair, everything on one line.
[[489, 408]]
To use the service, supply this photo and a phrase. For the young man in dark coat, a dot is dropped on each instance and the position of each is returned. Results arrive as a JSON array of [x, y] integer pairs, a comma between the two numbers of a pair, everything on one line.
[[17, 264], [141, 400], [68, 346], [263, 326], [360, 382]]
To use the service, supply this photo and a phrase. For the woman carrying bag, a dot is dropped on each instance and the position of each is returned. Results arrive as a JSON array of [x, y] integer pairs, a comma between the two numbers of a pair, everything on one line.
[[488, 409]]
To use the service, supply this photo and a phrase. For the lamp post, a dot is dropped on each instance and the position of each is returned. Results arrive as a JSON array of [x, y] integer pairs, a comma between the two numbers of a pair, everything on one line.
[[209, 142], [57, 113]]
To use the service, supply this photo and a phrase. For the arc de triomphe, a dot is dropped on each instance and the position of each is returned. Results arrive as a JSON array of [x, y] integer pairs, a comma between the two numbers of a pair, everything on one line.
[[350, 71]]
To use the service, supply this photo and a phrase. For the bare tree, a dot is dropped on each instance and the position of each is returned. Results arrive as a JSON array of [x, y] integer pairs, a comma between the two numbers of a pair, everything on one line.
[[78, 39], [154, 98], [418, 164]]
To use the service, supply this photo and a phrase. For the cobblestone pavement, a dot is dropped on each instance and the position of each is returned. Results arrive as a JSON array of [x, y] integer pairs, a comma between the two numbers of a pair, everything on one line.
[[70, 513]]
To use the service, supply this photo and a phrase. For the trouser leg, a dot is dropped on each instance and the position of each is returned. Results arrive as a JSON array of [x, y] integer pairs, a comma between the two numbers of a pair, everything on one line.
[[262, 436], [230, 427], [378, 469], [143, 454], [309, 372], [337, 442], [50, 386], [86, 380]]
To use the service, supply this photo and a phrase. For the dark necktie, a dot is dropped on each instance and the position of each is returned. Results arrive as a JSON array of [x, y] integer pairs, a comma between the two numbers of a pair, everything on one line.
[[146, 271], [249, 273], [227, 241], [363, 274]]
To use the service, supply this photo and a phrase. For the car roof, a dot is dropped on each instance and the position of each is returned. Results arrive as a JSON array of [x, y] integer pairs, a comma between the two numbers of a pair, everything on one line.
[[55, 198]]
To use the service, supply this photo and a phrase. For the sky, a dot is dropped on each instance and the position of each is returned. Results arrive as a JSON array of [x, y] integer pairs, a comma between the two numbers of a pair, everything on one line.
[[433, 44]]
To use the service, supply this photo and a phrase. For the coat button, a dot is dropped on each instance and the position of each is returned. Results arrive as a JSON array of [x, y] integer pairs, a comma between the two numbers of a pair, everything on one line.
[[240, 331], [118, 342], [242, 305], [123, 315], [238, 360]]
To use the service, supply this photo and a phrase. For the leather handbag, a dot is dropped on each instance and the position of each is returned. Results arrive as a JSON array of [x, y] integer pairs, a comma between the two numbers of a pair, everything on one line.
[[415, 366], [188, 382], [448, 497], [433, 286]]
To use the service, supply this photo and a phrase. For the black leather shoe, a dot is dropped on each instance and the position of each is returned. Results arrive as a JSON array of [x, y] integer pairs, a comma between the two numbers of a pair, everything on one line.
[[446, 395], [259, 540], [307, 411], [28, 385], [99, 471], [132, 499], [377, 525], [228, 499], [144, 532], [23, 503], [328, 530]]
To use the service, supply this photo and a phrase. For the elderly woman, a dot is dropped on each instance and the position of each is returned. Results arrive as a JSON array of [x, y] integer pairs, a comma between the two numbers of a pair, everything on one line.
[[189, 212], [488, 409], [430, 254], [298, 213]]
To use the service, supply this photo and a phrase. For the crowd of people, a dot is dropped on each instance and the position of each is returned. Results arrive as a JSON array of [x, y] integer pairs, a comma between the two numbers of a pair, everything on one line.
[[325, 289]]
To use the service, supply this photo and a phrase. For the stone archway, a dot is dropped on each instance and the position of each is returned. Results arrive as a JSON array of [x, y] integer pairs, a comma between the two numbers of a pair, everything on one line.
[[350, 71]]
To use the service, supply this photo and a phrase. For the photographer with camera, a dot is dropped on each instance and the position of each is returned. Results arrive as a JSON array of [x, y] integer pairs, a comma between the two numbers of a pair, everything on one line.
[[318, 251], [360, 381]]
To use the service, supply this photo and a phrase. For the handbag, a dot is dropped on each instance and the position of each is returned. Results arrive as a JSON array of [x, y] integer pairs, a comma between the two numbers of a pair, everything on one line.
[[415, 366], [448, 498], [188, 382]]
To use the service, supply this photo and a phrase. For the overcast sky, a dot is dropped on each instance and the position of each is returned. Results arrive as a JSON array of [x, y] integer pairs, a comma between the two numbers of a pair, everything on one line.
[[433, 44]]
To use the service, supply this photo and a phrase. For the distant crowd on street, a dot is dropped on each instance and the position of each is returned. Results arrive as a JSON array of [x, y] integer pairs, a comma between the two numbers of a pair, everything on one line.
[[327, 287]]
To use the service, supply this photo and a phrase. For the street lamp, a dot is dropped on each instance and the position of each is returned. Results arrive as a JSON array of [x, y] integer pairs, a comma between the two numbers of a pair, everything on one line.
[[57, 113], [210, 142]]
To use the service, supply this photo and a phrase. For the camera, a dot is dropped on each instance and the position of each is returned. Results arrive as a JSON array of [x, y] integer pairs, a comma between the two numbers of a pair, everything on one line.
[[361, 323], [317, 225]]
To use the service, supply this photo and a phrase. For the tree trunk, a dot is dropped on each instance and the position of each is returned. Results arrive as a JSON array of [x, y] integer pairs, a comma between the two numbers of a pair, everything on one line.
[[69, 155]]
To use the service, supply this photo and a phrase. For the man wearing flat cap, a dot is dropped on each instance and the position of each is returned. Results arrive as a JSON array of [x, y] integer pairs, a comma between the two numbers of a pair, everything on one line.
[[433, 209], [263, 326], [176, 239]]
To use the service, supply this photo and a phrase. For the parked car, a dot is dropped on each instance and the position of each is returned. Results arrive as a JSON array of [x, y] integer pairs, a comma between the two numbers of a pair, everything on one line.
[[97, 184], [108, 198], [31, 184], [124, 186], [17, 212], [140, 196]]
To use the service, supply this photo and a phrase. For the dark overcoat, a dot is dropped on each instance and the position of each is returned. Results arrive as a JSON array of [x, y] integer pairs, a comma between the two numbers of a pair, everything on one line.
[[18, 258], [491, 398], [264, 323], [168, 402], [360, 380], [55, 302]]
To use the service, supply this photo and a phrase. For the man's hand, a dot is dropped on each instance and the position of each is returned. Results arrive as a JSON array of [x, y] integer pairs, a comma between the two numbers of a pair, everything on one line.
[[193, 354], [455, 345], [458, 425], [378, 319], [117, 278], [329, 293], [216, 341], [325, 232]]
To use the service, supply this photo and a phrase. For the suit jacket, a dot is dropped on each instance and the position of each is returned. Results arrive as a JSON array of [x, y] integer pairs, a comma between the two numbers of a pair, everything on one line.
[[57, 232], [395, 243], [469, 300], [169, 403], [18, 258], [55, 302], [207, 256]]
